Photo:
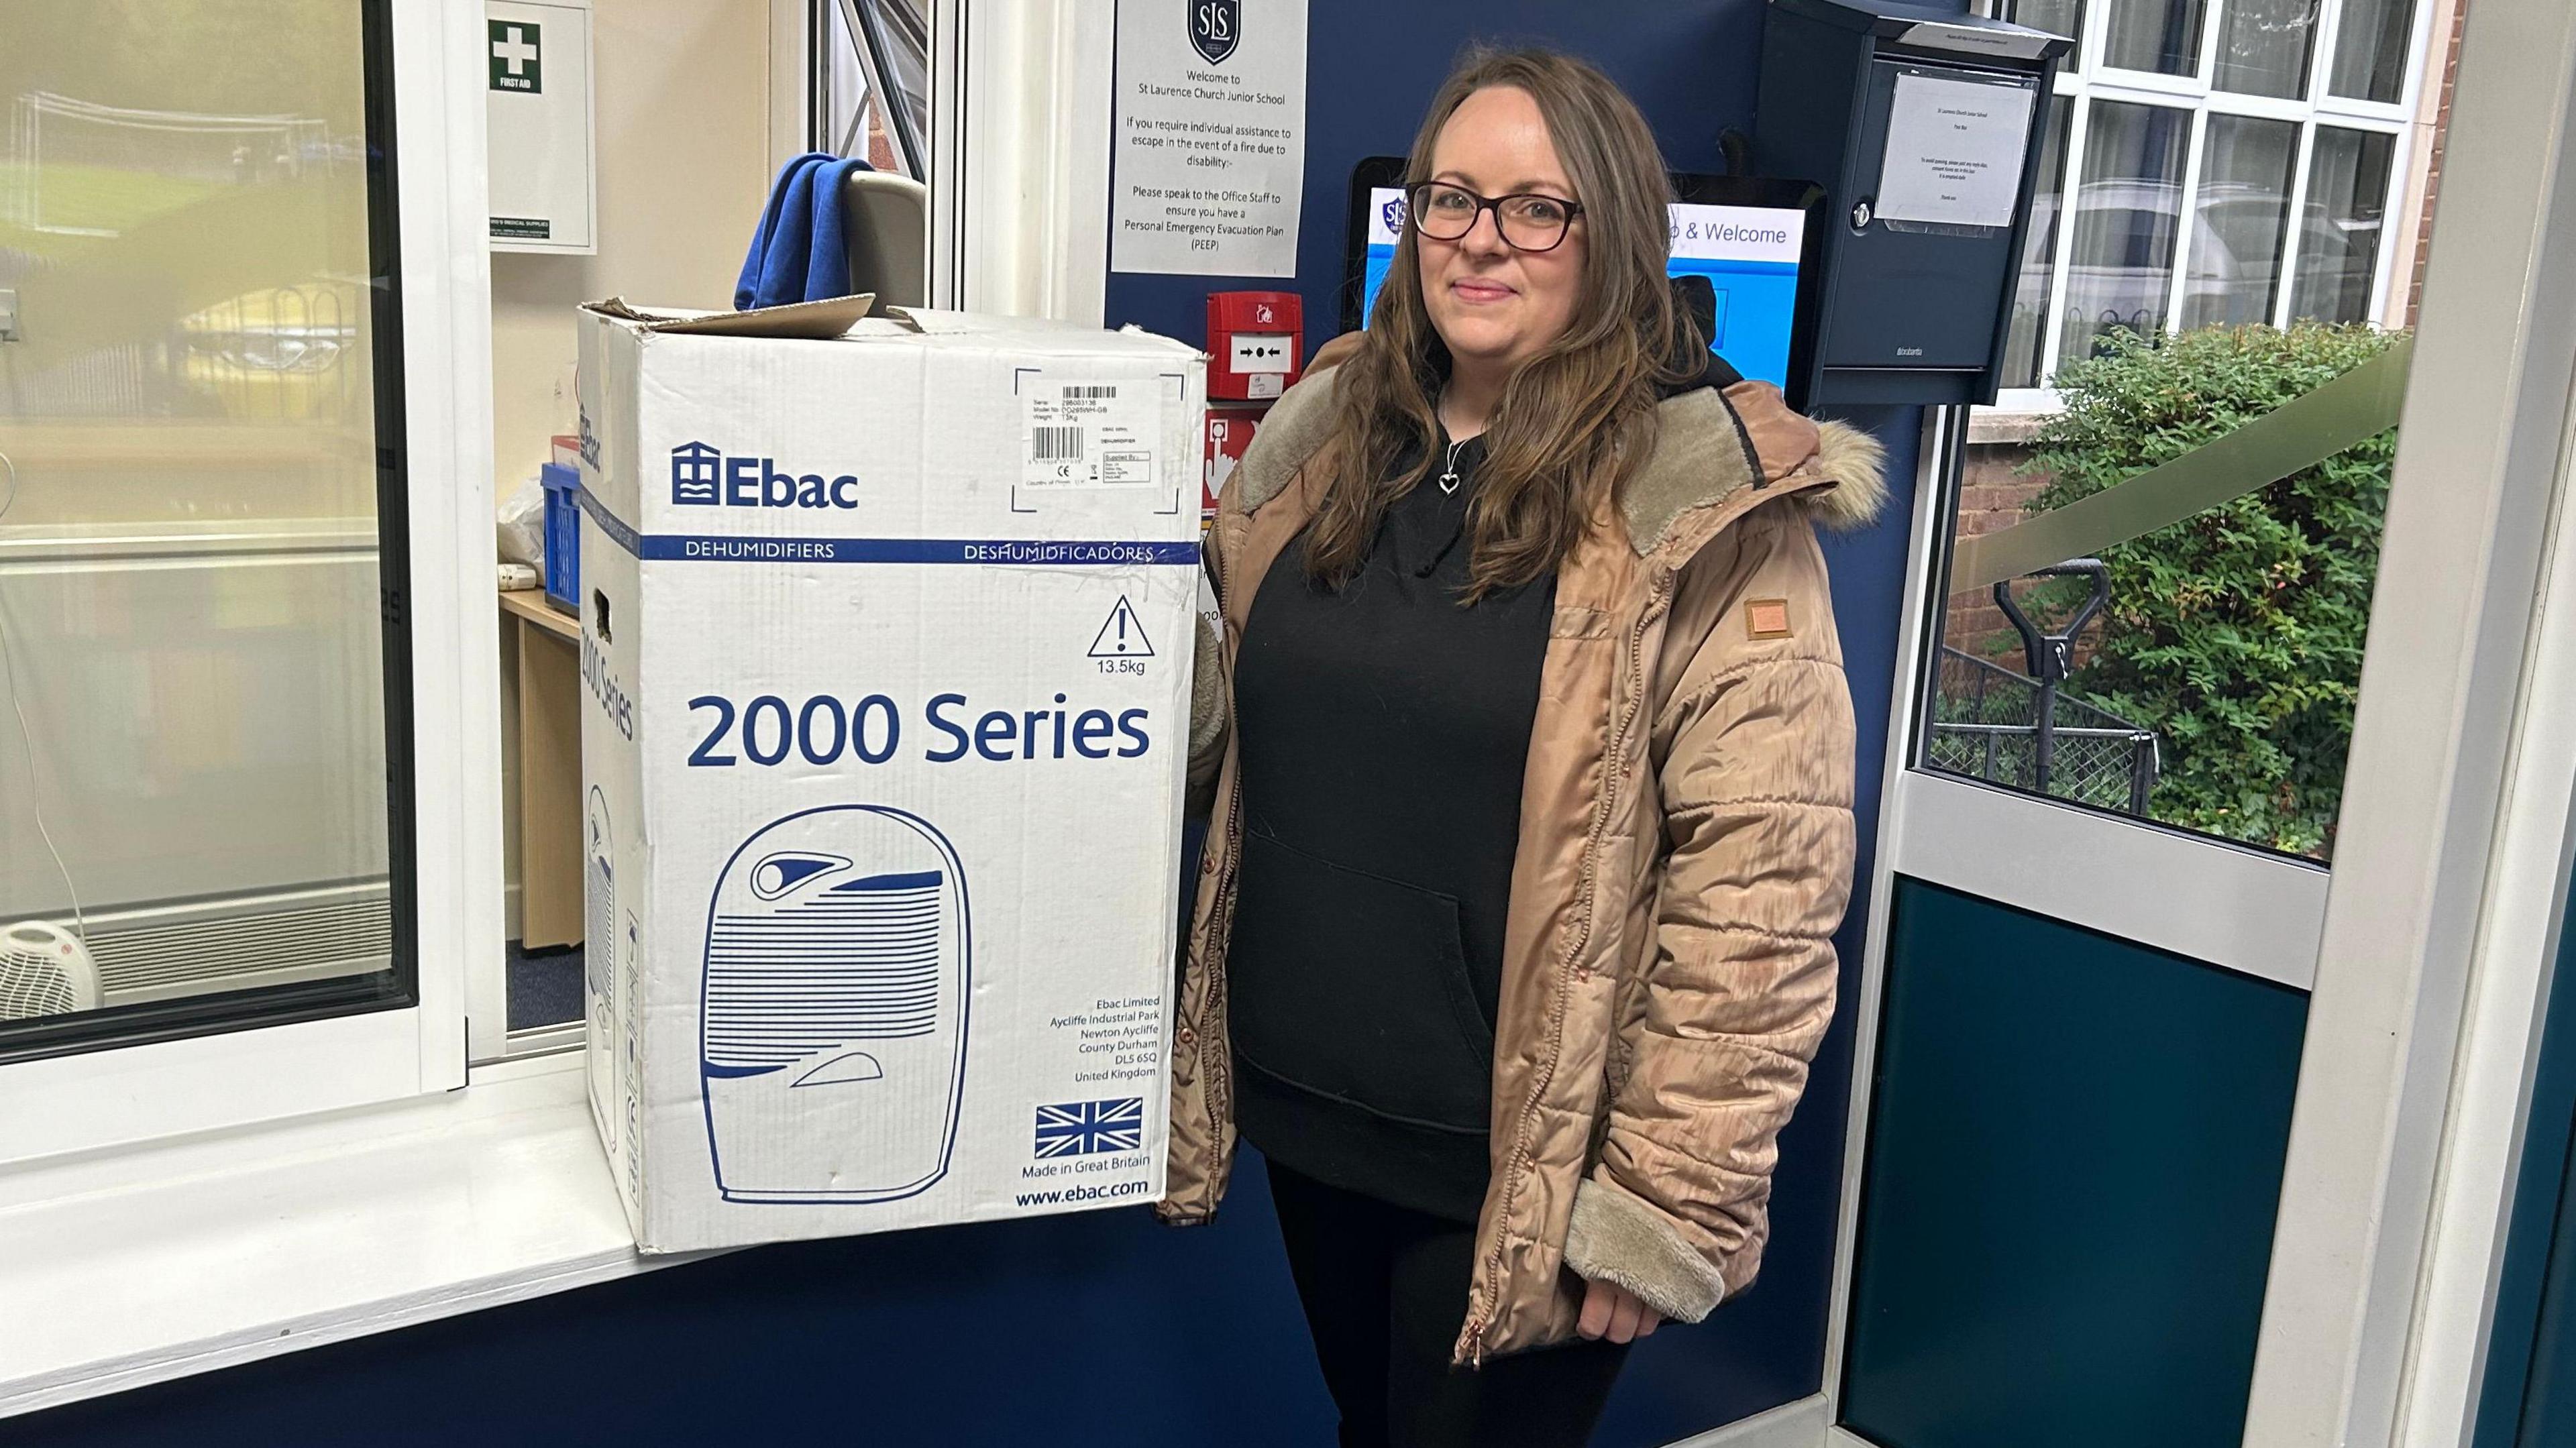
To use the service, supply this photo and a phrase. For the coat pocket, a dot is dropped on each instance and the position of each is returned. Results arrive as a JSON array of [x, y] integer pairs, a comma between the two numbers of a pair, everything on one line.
[[1354, 987]]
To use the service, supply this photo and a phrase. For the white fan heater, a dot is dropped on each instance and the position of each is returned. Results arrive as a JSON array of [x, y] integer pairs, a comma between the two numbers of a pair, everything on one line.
[[44, 971], [834, 1026]]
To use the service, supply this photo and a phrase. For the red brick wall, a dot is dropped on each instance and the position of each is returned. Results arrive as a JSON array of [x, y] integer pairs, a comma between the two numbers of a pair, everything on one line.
[[2433, 167], [880, 150], [1992, 495]]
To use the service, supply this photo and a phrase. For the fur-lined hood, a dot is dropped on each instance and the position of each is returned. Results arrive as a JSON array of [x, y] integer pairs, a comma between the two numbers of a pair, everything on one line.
[[1709, 446]]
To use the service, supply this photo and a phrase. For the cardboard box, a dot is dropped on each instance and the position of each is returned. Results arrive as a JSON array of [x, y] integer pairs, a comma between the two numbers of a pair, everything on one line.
[[886, 641]]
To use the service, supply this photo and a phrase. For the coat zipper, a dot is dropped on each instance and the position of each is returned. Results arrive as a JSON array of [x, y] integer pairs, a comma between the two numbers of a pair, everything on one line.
[[1586, 891], [1215, 1066], [1659, 597]]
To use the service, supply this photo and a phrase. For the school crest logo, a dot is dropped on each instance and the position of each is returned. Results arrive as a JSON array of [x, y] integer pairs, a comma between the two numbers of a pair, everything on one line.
[[1215, 26]]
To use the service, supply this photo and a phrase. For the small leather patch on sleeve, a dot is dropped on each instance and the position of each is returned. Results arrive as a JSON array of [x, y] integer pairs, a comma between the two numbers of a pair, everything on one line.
[[1766, 618]]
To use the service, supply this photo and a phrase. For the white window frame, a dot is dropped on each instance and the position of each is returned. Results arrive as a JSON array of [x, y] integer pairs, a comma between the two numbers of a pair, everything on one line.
[[1018, 147], [793, 55], [117, 1096], [1019, 141], [2392, 1159], [2085, 79], [2506, 1001]]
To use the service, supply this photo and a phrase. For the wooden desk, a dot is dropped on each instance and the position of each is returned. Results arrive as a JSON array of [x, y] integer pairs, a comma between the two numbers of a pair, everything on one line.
[[550, 867]]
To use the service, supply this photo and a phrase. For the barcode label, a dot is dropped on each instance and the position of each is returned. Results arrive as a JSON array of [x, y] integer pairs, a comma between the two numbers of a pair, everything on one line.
[[1087, 432]]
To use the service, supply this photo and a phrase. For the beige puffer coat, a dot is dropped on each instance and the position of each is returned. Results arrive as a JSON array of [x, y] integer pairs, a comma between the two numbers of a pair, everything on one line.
[[1685, 854]]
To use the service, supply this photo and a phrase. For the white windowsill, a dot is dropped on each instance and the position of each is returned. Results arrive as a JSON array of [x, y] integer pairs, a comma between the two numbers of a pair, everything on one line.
[[131, 1267]]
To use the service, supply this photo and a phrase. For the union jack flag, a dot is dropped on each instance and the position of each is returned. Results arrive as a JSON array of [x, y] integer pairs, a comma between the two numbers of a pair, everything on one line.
[[1079, 1128]]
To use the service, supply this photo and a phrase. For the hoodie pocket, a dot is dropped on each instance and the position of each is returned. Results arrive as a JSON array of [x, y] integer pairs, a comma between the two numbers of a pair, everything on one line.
[[1354, 986]]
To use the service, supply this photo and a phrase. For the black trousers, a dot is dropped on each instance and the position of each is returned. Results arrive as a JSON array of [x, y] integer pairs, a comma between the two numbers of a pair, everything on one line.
[[1385, 1291]]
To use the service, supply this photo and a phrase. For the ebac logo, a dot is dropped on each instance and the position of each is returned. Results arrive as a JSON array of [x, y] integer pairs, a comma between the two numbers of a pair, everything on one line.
[[704, 477], [1216, 27], [1392, 213]]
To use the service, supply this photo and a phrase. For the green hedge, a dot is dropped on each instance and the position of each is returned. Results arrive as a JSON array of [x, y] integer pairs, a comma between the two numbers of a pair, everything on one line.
[[2236, 634]]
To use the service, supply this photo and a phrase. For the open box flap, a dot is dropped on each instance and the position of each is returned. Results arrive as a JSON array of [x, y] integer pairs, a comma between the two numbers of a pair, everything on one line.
[[818, 321]]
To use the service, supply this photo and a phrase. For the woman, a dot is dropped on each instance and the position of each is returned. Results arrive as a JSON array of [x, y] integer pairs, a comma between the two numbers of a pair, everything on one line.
[[1532, 769]]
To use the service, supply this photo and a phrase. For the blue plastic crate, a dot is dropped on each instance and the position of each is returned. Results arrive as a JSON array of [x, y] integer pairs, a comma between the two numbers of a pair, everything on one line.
[[563, 536]]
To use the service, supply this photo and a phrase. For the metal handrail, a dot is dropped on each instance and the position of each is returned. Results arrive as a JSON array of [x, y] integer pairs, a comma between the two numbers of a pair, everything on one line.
[[2051, 655]]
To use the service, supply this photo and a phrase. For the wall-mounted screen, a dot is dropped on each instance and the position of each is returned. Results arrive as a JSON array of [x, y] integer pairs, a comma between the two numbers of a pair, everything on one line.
[[1753, 240]]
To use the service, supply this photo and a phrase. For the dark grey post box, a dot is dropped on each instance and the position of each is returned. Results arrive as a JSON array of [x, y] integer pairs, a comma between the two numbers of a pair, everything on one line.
[[1923, 126]]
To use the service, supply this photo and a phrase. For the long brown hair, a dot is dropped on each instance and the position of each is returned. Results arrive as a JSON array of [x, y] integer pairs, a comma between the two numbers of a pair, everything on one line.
[[1574, 416]]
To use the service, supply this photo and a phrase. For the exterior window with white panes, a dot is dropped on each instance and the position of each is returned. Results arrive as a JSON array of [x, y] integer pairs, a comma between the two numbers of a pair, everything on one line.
[[871, 82], [2213, 163]]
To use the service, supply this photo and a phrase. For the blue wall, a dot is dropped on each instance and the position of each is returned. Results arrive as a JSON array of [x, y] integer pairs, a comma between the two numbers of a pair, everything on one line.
[[1372, 67], [1105, 1329]]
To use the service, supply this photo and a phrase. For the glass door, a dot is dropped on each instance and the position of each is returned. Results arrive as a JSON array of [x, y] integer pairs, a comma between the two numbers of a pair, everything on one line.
[[2216, 655], [2111, 840], [2167, 945]]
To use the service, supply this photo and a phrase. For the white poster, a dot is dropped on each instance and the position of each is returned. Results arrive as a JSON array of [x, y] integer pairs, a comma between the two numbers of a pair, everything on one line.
[[1211, 128], [1954, 151]]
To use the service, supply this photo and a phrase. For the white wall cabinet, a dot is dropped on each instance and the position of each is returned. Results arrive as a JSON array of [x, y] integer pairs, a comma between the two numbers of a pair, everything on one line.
[[537, 92]]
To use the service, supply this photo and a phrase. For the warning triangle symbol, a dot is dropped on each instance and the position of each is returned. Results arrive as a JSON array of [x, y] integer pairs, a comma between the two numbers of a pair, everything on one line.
[[1121, 636]]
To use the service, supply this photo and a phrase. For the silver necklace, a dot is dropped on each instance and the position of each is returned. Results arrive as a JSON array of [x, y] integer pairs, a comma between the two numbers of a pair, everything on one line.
[[1449, 477]]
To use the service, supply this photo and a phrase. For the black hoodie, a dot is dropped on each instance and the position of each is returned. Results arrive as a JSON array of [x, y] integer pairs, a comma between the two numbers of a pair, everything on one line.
[[1383, 731]]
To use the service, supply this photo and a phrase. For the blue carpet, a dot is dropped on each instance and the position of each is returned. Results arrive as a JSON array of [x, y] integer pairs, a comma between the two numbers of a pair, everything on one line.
[[545, 986]]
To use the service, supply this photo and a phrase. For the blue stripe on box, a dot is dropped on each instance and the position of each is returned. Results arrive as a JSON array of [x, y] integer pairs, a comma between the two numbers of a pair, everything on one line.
[[723, 548], [612, 525]]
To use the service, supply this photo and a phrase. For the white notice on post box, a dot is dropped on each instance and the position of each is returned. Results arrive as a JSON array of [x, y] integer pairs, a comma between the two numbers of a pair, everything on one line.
[[1954, 150], [1211, 137]]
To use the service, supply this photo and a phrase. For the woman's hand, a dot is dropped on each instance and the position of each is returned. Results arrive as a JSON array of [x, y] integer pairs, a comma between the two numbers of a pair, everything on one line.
[[1614, 1312]]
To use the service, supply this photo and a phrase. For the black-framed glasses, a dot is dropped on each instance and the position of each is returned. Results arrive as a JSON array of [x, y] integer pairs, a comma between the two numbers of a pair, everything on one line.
[[1528, 220]]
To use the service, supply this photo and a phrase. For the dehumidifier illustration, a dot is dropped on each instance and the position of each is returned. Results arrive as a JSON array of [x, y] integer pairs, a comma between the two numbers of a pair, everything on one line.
[[599, 957], [834, 1017], [630, 1051]]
